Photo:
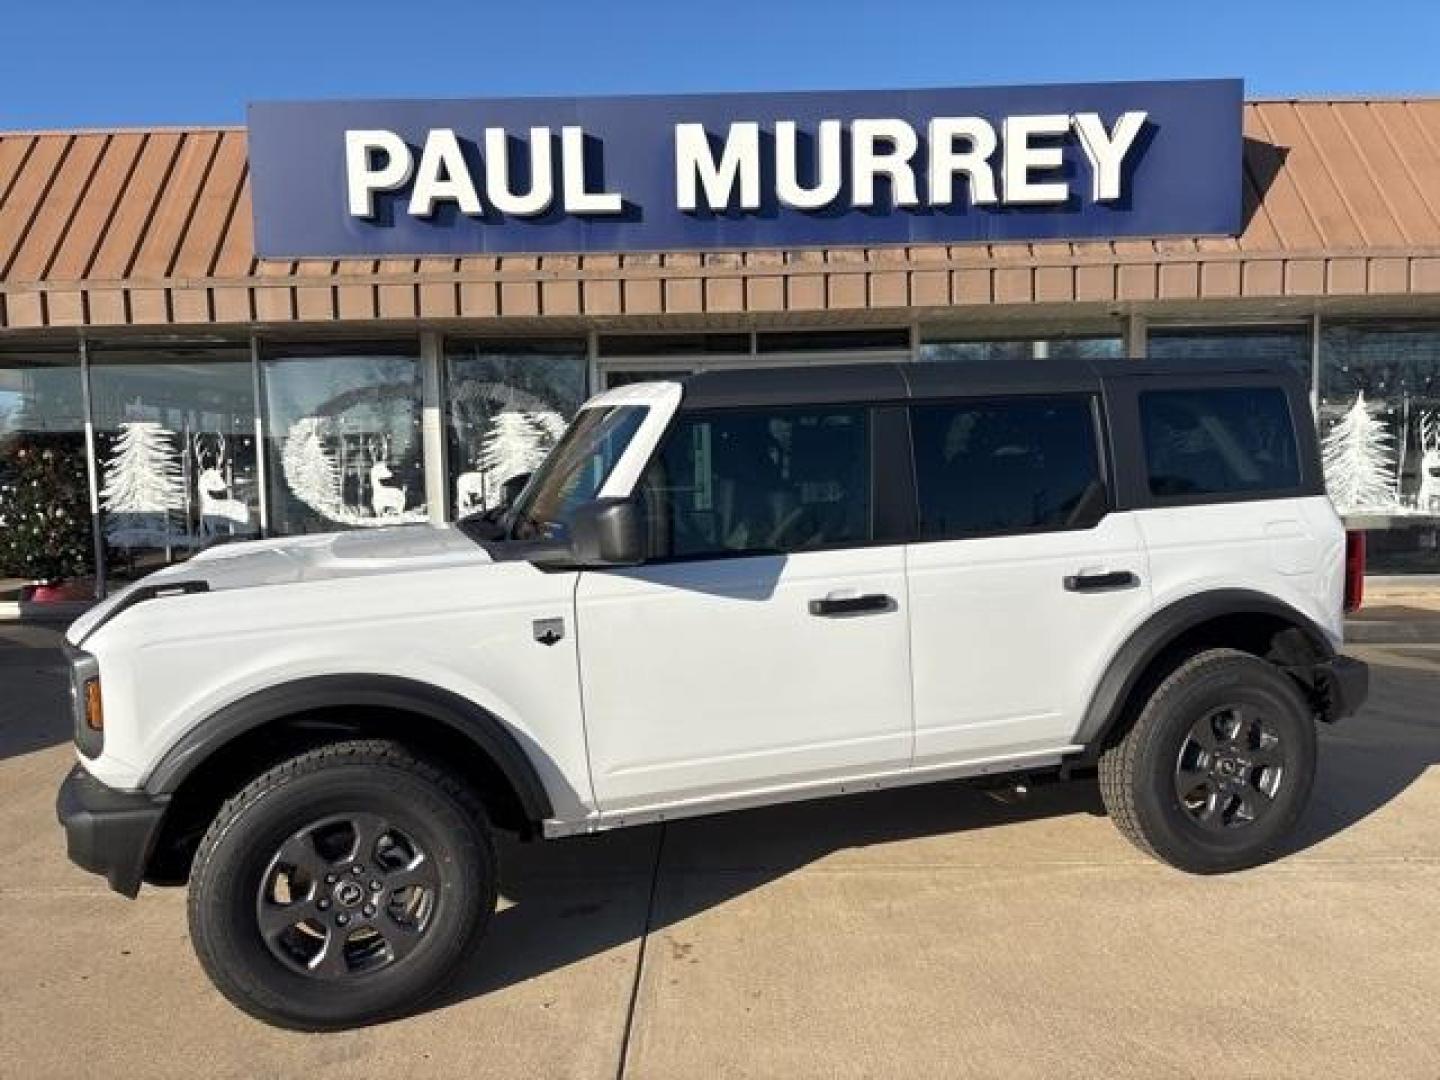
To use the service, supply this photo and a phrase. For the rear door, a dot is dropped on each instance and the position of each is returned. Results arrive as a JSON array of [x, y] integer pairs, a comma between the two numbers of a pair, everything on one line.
[[764, 646], [1023, 580]]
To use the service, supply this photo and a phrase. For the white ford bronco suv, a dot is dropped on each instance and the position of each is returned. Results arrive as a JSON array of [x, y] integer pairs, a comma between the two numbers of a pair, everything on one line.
[[735, 589]]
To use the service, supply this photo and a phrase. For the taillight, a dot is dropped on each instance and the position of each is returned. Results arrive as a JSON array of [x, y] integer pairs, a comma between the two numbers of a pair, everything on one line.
[[1354, 571]]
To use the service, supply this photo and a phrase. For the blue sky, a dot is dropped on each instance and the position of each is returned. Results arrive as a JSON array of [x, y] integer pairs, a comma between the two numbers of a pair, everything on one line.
[[90, 64]]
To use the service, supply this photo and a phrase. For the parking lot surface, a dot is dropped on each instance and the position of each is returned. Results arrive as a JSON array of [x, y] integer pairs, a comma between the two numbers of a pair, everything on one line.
[[927, 932]]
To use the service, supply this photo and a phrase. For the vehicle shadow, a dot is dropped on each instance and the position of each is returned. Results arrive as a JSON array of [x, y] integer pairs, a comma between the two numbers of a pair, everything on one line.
[[575, 899], [34, 693], [572, 899], [1367, 760]]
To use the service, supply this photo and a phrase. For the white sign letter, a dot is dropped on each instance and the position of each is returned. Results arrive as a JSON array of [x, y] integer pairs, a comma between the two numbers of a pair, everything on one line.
[[946, 159], [572, 173], [497, 174], [883, 146], [740, 160], [443, 175], [828, 168], [1107, 150], [1021, 158], [363, 178]]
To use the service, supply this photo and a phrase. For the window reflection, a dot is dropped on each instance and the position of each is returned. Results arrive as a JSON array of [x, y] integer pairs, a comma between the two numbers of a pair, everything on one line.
[[1021, 350], [44, 491], [1288, 343]]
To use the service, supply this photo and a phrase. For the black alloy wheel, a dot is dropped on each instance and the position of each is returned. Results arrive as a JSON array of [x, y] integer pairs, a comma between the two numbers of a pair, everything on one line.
[[1215, 771], [346, 895], [344, 886], [1230, 767]]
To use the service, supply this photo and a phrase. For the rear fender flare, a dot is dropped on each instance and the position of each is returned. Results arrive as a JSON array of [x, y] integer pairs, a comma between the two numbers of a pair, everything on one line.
[[1163, 629]]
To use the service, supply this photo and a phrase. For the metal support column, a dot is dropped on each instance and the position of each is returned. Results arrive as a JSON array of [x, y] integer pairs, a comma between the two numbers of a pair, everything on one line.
[[1136, 332], [432, 427], [262, 482], [97, 525]]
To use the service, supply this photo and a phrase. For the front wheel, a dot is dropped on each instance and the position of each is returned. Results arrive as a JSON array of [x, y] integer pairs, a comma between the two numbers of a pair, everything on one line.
[[1218, 766], [342, 887]]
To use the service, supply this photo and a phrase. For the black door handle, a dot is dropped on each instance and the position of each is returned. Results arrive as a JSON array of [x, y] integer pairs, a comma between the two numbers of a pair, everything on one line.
[[1116, 579], [852, 605]]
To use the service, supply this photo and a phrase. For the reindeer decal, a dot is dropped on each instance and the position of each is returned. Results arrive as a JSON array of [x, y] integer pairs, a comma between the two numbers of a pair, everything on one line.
[[385, 500], [1427, 499], [216, 505]]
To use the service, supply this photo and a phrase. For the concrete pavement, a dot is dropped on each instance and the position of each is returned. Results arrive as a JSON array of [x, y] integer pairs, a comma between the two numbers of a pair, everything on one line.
[[928, 932]]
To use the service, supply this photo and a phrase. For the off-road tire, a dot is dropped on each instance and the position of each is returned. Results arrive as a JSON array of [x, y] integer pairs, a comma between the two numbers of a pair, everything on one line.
[[361, 776], [1138, 770]]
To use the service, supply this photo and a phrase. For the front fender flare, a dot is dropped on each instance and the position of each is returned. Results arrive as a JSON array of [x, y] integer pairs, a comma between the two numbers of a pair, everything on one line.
[[476, 723]]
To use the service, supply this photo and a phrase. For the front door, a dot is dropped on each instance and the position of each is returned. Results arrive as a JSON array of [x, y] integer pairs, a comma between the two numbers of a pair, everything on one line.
[[1022, 584], [764, 646]]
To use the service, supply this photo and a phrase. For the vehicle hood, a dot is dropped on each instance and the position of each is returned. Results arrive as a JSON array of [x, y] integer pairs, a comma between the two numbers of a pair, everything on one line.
[[303, 558]]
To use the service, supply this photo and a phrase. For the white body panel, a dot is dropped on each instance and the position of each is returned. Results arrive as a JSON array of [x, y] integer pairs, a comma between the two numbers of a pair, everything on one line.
[[457, 621], [1289, 549], [1004, 657], [712, 676]]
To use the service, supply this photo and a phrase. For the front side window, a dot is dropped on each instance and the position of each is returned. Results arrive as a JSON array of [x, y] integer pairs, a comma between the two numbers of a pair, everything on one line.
[[984, 467], [1221, 441], [575, 471], [743, 481]]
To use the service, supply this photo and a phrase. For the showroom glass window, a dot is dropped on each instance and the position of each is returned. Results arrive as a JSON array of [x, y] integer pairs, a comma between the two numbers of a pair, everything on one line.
[[506, 406], [1006, 465], [344, 448], [1380, 436], [42, 411], [1290, 344], [1060, 348], [752, 481], [175, 455]]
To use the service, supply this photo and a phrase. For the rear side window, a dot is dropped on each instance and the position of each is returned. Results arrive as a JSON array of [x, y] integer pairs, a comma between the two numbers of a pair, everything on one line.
[[1221, 441], [751, 481], [1004, 466]]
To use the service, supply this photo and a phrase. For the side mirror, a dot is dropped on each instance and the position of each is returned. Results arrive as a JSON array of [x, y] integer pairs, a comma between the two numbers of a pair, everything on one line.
[[607, 532]]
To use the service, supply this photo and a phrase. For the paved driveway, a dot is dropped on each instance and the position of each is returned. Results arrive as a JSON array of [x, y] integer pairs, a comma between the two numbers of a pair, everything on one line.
[[930, 932]]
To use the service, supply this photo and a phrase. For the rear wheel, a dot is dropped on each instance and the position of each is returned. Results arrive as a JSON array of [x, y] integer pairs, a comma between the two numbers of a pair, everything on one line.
[[1217, 768], [342, 887]]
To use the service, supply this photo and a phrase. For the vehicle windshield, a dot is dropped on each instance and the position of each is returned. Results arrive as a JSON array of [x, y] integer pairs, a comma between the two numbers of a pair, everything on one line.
[[574, 472]]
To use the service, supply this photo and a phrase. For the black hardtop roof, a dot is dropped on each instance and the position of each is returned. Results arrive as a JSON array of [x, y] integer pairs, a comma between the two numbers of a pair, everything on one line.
[[815, 384]]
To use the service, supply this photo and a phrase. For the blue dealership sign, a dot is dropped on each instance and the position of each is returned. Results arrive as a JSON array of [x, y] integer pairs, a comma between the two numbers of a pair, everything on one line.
[[374, 178]]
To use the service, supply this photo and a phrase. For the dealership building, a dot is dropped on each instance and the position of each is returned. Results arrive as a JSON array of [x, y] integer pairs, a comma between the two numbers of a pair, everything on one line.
[[351, 314]]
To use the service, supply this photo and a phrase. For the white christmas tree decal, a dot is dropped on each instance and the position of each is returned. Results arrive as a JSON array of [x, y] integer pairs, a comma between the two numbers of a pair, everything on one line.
[[310, 468], [1359, 460], [142, 485], [516, 443]]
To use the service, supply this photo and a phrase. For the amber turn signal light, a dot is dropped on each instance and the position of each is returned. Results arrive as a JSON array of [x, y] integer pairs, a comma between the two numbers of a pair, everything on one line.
[[94, 710]]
